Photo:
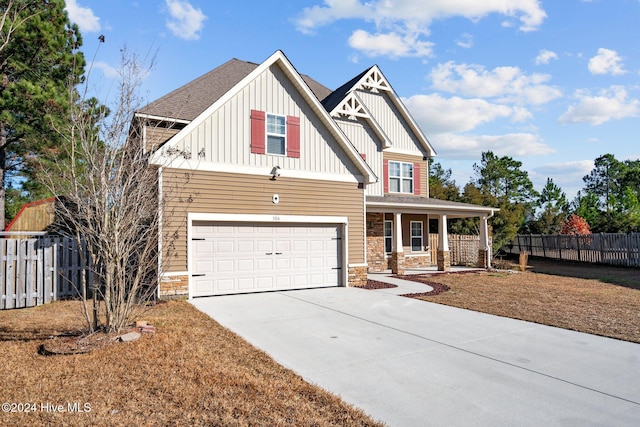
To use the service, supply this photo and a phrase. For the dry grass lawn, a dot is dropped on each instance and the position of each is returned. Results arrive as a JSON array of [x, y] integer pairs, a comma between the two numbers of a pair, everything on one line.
[[191, 372], [593, 299]]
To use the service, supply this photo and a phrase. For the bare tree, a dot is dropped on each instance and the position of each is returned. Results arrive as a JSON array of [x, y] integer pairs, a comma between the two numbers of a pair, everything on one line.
[[109, 202]]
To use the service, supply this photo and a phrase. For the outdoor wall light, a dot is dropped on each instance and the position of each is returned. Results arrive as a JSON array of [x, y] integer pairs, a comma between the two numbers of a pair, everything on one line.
[[275, 172]]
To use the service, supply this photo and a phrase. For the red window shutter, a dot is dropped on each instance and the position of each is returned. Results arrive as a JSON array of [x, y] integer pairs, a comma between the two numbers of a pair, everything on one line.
[[416, 178], [293, 136], [258, 135], [385, 175]]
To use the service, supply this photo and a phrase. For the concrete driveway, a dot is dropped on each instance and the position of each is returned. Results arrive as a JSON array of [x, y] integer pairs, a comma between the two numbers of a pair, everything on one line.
[[412, 363]]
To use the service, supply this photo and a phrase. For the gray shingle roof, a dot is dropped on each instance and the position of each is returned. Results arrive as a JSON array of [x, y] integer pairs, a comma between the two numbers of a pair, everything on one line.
[[331, 101], [190, 100], [424, 202]]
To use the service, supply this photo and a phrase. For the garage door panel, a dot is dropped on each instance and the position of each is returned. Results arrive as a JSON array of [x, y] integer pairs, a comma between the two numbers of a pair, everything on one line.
[[265, 282], [246, 265], [222, 266], [246, 283], [265, 264], [264, 246], [247, 246], [224, 246], [237, 258], [224, 285], [300, 263]]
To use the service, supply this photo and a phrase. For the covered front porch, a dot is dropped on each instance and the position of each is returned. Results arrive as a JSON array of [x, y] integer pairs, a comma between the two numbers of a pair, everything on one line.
[[398, 229]]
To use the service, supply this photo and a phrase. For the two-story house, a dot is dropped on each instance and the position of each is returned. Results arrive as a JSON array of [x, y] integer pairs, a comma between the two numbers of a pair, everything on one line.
[[269, 181]]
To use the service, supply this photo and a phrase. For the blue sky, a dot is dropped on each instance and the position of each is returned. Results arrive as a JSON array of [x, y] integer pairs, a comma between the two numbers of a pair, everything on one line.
[[553, 84]]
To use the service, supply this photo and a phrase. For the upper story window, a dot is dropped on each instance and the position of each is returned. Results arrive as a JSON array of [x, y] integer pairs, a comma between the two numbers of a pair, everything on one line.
[[400, 177], [276, 134]]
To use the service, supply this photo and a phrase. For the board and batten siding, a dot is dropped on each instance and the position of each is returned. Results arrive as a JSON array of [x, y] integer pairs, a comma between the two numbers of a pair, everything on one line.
[[366, 142], [225, 193], [224, 137], [391, 121]]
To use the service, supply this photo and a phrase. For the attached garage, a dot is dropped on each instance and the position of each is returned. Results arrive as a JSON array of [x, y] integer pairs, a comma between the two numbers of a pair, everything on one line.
[[242, 257]]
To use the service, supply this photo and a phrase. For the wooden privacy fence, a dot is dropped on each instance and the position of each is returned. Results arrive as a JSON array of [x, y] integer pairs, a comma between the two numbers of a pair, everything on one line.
[[603, 248], [38, 270], [463, 249]]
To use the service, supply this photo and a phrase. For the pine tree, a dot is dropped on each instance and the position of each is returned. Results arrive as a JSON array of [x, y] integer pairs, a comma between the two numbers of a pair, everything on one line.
[[39, 65]]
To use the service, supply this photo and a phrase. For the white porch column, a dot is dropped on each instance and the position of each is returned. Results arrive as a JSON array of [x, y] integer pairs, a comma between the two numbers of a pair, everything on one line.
[[397, 256], [443, 255], [484, 255], [397, 233], [443, 234]]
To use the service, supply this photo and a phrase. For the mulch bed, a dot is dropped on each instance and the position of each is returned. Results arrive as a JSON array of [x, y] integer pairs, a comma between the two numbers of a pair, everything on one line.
[[438, 288], [374, 284]]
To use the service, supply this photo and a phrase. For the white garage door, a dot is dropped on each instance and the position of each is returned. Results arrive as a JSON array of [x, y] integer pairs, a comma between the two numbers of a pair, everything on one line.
[[230, 258]]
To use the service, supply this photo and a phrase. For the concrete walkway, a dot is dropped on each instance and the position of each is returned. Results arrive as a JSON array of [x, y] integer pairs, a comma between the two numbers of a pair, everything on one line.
[[406, 286], [413, 363]]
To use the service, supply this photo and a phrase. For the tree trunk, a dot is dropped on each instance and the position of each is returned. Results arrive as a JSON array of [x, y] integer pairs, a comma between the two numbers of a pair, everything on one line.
[[3, 157]]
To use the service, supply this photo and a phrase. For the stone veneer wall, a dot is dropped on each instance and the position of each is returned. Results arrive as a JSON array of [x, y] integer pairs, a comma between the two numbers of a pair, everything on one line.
[[396, 263], [418, 261], [375, 243], [444, 261], [357, 276], [171, 286]]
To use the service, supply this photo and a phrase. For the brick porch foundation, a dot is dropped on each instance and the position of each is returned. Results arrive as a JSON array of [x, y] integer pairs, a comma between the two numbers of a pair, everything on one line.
[[396, 263], [444, 260]]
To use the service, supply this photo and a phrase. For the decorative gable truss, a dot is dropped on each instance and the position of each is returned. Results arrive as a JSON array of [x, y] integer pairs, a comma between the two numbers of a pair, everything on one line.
[[352, 107], [374, 81]]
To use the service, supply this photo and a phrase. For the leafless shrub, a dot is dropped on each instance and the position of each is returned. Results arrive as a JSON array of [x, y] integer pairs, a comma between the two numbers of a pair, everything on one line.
[[109, 202]]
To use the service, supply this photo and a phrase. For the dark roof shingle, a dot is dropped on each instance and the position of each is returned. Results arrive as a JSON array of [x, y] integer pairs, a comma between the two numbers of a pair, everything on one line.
[[192, 99]]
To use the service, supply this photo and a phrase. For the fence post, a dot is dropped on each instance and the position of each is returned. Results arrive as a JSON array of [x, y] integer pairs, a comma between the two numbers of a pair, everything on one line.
[[578, 246], [559, 240], [3, 282]]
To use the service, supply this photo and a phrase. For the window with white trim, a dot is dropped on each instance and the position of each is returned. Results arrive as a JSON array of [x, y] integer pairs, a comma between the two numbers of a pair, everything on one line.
[[400, 177], [388, 236], [416, 236], [276, 134]]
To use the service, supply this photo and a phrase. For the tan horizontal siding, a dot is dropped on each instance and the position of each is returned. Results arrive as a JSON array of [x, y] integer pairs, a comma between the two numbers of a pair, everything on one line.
[[156, 136], [424, 170], [214, 192]]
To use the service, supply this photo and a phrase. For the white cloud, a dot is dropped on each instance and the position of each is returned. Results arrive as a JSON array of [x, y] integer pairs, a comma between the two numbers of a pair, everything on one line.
[[465, 41], [607, 61], [83, 16], [402, 22], [508, 84], [185, 21], [392, 44], [437, 115], [610, 104], [453, 146], [545, 56], [107, 70], [529, 12], [577, 168], [566, 175]]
